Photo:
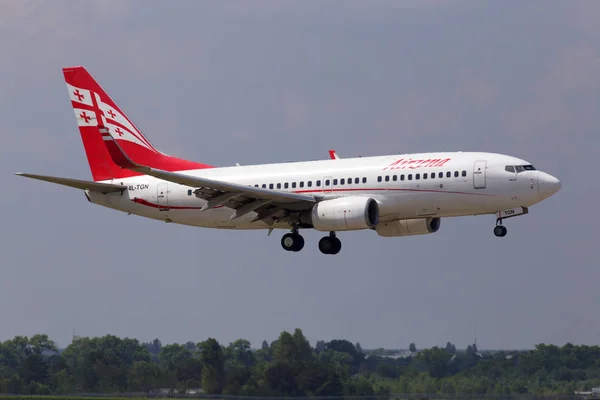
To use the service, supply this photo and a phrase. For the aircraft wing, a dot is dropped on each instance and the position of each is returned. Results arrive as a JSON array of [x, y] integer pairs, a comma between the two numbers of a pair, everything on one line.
[[268, 204], [77, 184]]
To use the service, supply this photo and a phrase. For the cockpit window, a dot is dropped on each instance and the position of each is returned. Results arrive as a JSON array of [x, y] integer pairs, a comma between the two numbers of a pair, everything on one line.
[[519, 168]]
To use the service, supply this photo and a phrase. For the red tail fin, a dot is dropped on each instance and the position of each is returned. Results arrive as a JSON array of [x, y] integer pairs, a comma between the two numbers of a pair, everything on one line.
[[94, 108]]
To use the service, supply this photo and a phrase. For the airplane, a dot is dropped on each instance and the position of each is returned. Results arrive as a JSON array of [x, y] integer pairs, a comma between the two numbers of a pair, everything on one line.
[[391, 195]]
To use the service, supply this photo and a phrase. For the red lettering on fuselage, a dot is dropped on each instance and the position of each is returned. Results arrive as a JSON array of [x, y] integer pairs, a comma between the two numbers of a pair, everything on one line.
[[414, 164]]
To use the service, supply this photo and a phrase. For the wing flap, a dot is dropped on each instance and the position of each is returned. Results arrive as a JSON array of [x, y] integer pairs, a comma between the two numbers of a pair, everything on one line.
[[77, 183]]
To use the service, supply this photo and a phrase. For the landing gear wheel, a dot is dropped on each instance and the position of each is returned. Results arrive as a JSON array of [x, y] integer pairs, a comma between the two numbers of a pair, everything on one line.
[[292, 242], [500, 231], [330, 245]]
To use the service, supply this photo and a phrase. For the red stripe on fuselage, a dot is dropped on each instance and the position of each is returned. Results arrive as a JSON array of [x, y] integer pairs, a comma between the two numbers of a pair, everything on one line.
[[153, 205]]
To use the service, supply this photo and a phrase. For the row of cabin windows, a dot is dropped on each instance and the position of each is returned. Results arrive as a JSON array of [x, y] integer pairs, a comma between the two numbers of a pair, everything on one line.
[[286, 185], [301, 184], [426, 175], [356, 181]]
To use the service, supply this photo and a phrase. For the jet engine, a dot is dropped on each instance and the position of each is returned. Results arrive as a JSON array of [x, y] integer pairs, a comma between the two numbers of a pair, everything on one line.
[[408, 227], [343, 214]]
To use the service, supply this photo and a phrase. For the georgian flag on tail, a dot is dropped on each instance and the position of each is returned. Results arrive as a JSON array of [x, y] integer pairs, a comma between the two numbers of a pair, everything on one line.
[[100, 114], [94, 111]]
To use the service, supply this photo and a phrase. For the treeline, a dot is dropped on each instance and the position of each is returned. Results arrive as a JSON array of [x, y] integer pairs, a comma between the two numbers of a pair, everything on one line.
[[288, 366]]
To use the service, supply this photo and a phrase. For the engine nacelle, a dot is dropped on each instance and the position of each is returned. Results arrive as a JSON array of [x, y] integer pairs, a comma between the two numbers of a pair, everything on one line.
[[408, 227], [344, 214]]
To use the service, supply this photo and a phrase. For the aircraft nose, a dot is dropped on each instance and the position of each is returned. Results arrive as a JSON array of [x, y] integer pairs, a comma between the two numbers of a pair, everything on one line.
[[547, 185]]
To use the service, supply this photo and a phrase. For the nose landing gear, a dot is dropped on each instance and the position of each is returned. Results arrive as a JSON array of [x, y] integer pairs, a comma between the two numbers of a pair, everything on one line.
[[500, 230]]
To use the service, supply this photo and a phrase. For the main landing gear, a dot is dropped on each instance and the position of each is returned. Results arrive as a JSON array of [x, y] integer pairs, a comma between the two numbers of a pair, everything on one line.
[[330, 244], [293, 241]]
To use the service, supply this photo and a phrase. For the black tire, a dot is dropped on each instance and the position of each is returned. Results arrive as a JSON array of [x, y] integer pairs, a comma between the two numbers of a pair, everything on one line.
[[337, 246], [330, 245], [326, 245], [500, 231], [299, 243], [292, 242]]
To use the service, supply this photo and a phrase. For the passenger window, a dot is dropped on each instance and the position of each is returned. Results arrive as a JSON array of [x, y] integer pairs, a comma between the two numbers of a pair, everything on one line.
[[387, 178], [425, 175], [402, 177], [264, 185], [342, 181], [448, 174], [378, 179], [464, 173], [349, 181], [293, 184], [309, 183], [441, 175], [417, 176], [395, 177], [286, 185], [364, 180], [327, 182], [456, 174], [410, 177], [302, 184], [190, 192], [356, 180], [270, 186], [433, 175], [279, 186], [335, 182]]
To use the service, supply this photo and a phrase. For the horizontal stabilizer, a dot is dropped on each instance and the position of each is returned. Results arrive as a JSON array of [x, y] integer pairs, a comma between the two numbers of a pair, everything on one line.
[[78, 184]]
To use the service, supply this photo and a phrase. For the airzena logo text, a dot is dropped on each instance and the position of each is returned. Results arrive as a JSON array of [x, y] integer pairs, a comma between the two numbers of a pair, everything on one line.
[[414, 164]]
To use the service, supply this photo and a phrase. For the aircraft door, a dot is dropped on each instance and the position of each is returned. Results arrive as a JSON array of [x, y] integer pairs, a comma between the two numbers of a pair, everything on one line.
[[327, 184], [162, 196], [479, 168]]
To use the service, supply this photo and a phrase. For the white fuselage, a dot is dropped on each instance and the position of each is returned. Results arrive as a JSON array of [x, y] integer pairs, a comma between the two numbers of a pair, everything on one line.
[[466, 184]]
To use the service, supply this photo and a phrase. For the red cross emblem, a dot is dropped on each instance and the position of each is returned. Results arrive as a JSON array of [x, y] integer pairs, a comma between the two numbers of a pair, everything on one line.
[[86, 117], [112, 114], [119, 131], [78, 95]]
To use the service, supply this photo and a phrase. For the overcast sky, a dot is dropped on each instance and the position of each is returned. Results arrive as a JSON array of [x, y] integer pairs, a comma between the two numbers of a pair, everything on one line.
[[269, 81]]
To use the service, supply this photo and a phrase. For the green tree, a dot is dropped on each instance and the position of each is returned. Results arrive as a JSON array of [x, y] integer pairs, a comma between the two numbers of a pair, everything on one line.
[[213, 371]]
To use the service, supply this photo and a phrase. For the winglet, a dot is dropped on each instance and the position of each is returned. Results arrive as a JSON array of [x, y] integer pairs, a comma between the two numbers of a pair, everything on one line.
[[333, 155], [116, 152]]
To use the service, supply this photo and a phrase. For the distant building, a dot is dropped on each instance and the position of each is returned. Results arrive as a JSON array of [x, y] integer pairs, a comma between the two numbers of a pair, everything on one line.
[[593, 394]]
